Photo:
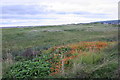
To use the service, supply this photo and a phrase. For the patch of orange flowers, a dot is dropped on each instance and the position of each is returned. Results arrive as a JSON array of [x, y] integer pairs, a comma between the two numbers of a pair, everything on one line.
[[78, 48]]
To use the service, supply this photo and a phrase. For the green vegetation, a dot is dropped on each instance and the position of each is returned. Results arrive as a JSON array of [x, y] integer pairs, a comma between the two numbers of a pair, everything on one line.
[[35, 68], [35, 52]]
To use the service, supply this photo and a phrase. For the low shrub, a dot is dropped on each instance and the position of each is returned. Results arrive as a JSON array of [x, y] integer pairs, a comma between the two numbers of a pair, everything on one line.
[[35, 68]]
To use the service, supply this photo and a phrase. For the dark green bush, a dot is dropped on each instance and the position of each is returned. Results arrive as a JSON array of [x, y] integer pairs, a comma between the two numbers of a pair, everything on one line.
[[35, 68]]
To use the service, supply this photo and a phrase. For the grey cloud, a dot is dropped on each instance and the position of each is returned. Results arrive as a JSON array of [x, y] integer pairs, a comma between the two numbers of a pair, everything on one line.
[[10, 12], [24, 9], [23, 17]]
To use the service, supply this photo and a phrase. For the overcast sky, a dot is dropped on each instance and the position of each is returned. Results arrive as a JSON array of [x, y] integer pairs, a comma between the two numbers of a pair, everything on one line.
[[55, 12]]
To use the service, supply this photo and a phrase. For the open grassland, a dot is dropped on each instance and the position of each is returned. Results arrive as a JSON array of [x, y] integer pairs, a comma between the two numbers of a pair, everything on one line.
[[65, 51], [21, 38]]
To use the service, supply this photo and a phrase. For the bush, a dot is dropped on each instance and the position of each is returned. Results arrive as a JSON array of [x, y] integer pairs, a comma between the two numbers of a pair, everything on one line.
[[35, 68]]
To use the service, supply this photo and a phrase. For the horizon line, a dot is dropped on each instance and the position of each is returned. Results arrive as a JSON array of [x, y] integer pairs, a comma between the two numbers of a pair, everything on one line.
[[54, 24]]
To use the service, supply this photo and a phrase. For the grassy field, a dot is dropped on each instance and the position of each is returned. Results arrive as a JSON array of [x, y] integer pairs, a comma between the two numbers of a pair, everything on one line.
[[21, 38], [17, 40]]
